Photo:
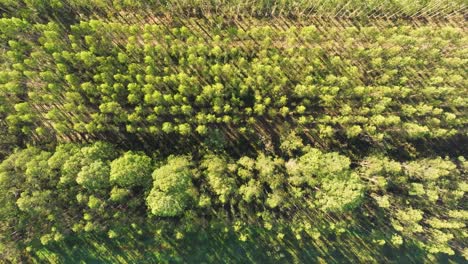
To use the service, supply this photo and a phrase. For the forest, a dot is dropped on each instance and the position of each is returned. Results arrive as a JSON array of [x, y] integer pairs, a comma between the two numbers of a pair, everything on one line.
[[211, 131]]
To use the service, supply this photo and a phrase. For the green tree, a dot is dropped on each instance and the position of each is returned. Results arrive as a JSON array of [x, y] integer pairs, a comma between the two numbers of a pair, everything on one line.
[[131, 169], [94, 176], [172, 187], [219, 176]]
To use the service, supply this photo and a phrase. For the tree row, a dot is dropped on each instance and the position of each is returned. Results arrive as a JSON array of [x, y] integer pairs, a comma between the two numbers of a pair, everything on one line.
[[98, 188], [386, 87]]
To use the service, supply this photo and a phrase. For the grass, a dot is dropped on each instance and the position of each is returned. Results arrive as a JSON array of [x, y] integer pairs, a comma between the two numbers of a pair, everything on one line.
[[221, 245]]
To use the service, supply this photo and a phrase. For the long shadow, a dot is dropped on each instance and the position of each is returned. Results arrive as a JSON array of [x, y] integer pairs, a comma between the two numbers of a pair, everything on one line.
[[220, 245]]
